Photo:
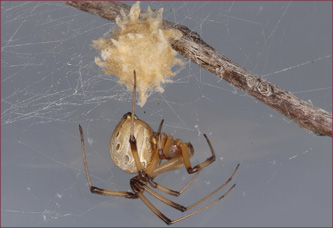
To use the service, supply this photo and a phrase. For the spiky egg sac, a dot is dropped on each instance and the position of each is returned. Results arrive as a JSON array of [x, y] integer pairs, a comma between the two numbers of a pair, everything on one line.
[[142, 45]]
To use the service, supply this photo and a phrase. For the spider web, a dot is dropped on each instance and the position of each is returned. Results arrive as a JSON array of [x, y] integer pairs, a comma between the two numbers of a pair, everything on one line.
[[50, 84]]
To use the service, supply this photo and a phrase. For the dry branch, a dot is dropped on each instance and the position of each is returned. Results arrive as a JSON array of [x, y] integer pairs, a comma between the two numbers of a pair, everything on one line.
[[191, 46]]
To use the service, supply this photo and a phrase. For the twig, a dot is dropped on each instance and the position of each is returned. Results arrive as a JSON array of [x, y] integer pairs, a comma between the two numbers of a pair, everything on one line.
[[191, 46]]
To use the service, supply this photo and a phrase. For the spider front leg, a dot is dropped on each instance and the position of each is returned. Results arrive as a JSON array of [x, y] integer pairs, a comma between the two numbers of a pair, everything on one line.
[[200, 166], [97, 190]]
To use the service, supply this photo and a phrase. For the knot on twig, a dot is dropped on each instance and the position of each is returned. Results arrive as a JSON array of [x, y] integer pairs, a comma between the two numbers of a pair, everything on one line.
[[219, 71], [259, 85]]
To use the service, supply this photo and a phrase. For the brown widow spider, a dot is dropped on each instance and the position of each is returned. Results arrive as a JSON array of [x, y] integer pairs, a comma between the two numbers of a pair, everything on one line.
[[135, 148]]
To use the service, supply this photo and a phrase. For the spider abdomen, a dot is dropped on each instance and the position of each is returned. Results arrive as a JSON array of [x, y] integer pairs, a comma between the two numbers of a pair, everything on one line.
[[120, 149]]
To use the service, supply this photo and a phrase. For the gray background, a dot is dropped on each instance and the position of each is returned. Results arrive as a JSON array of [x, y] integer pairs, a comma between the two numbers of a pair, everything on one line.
[[50, 84]]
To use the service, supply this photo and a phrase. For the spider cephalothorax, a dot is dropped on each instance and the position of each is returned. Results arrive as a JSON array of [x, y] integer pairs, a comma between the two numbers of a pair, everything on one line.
[[135, 148]]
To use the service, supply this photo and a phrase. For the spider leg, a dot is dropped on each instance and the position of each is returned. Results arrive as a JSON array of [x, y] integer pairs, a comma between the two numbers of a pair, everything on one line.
[[170, 191], [200, 166], [167, 201], [132, 139], [97, 190], [154, 209], [167, 144], [173, 164], [203, 208], [160, 141], [216, 190], [160, 127], [140, 187]]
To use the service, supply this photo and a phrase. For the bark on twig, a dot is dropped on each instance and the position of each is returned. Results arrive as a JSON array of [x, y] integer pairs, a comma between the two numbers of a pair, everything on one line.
[[191, 46]]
